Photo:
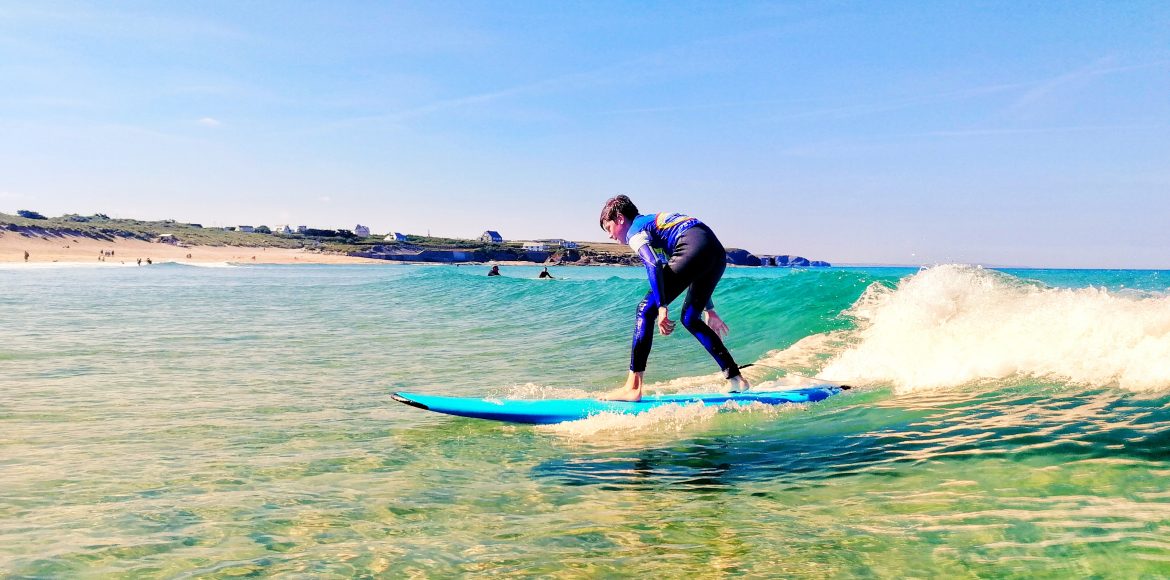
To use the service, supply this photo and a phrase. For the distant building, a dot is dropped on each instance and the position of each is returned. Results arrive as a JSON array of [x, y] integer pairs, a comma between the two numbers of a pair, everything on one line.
[[535, 247], [168, 239], [245, 229], [361, 231], [302, 229], [282, 229], [559, 242], [491, 237], [394, 237]]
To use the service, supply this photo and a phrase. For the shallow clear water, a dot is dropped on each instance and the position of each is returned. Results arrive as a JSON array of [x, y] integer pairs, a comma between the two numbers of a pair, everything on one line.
[[176, 421]]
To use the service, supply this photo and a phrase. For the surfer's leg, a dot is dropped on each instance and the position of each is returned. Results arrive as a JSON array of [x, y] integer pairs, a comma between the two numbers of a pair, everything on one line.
[[699, 261], [643, 339], [692, 318], [639, 351]]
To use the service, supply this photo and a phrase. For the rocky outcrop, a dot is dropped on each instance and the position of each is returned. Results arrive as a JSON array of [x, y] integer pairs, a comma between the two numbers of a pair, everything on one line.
[[787, 261], [737, 257]]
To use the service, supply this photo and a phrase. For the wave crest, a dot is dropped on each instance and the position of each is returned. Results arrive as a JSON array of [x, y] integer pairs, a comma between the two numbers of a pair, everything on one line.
[[952, 325]]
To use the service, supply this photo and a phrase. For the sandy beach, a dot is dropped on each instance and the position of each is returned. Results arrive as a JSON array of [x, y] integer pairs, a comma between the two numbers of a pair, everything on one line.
[[76, 249]]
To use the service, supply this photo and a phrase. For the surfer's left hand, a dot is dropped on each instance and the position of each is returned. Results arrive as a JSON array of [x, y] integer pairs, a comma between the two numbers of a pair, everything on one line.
[[717, 325]]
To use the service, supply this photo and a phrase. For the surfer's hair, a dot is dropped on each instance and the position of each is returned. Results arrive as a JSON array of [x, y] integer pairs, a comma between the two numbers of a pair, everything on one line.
[[615, 206]]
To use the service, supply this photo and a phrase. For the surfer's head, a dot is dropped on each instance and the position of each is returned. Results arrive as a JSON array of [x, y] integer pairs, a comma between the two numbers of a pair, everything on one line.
[[615, 206], [616, 216]]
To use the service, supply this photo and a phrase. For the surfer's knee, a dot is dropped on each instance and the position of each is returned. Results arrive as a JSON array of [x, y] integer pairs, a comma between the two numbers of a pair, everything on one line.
[[692, 318]]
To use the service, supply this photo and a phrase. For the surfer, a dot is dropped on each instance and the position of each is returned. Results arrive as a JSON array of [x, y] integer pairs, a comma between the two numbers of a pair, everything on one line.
[[544, 273], [695, 261]]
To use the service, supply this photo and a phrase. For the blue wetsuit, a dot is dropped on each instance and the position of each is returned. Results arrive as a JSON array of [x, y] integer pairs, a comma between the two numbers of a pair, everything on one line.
[[695, 261]]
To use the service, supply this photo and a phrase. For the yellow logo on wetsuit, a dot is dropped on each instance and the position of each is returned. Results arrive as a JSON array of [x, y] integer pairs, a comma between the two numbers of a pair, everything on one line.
[[669, 220]]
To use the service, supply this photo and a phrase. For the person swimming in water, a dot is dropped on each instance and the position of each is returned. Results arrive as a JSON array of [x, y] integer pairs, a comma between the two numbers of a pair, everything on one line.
[[695, 261], [545, 274], [495, 271]]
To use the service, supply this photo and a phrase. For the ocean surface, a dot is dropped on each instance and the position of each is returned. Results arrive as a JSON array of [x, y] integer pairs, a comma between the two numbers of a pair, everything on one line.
[[178, 421]]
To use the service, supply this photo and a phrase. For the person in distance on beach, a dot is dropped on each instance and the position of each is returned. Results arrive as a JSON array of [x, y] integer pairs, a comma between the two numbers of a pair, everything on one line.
[[695, 261]]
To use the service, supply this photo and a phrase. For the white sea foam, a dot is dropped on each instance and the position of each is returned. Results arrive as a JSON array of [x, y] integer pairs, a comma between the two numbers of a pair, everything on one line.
[[200, 264], [664, 423], [535, 391], [799, 361], [668, 419], [953, 325], [110, 264], [60, 265]]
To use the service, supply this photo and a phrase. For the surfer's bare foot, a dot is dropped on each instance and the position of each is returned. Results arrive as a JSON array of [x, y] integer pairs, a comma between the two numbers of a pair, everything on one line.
[[632, 392], [623, 394], [738, 384]]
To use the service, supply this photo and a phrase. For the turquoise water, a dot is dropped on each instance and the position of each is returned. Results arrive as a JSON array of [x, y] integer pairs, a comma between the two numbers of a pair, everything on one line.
[[179, 421]]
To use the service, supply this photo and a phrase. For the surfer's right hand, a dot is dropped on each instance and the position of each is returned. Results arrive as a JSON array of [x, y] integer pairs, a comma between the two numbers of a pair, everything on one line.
[[665, 324]]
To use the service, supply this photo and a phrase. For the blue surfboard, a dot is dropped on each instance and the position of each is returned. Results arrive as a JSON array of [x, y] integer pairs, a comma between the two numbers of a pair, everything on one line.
[[547, 411]]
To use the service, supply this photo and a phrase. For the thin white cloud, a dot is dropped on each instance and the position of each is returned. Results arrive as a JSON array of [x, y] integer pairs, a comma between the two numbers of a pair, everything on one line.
[[210, 122], [1076, 78], [633, 70], [325, 198], [1043, 89], [1042, 130]]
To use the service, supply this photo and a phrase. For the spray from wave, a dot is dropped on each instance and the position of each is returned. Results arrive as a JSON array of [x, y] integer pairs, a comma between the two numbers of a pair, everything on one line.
[[953, 325]]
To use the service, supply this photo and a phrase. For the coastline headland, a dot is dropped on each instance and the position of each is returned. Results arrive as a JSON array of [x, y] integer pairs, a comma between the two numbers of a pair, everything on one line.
[[74, 238]]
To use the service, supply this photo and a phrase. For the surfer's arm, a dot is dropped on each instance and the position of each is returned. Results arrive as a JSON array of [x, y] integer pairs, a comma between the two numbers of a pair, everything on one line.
[[640, 243], [654, 272]]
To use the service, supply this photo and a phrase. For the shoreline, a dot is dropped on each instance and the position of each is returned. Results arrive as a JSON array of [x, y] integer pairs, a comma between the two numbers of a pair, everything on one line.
[[74, 250]]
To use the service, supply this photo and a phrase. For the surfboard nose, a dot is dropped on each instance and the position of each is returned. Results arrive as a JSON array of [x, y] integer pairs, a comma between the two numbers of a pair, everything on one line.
[[412, 403]]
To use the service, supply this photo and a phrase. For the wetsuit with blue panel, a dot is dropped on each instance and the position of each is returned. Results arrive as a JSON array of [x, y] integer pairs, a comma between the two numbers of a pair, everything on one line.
[[695, 261]]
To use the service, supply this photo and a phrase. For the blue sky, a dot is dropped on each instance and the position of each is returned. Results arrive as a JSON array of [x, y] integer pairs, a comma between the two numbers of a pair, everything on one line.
[[1004, 133]]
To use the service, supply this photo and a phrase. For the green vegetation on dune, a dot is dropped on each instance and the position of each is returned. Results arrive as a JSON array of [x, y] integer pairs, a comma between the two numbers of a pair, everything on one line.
[[101, 227]]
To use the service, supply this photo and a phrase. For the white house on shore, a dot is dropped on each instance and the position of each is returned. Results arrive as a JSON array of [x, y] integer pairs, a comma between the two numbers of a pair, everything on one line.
[[245, 229], [492, 237], [282, 229], [555, 242], [394, 237], [535, 247], [361, 231]]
